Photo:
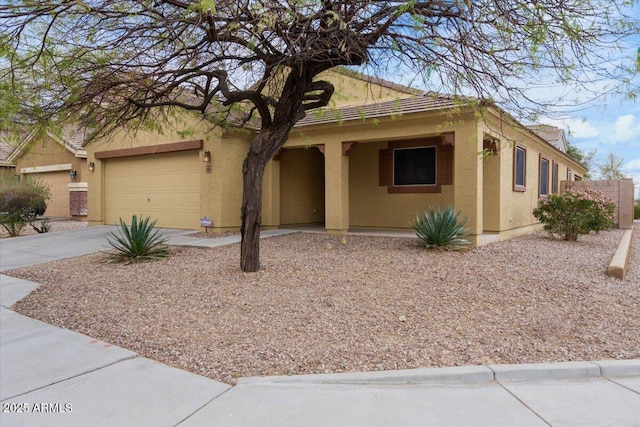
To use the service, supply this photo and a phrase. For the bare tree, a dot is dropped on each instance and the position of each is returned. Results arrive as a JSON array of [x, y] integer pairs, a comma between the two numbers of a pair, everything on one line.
[[611, 167], [114, 63]]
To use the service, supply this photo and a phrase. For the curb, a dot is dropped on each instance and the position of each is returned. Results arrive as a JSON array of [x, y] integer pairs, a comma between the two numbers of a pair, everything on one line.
[[620, 260], [463, 374]]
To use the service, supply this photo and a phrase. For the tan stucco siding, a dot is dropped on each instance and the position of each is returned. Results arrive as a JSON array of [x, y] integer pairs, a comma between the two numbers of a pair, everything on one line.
[[190, 175], [357, 91], [516, 207], [228, 156], [371, 205], [302, 186]]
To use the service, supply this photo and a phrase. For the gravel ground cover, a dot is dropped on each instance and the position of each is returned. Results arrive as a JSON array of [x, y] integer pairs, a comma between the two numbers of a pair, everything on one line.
[[372, 303]]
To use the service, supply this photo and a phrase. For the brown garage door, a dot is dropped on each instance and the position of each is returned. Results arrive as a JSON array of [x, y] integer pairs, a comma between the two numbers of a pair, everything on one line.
[[165, 187]]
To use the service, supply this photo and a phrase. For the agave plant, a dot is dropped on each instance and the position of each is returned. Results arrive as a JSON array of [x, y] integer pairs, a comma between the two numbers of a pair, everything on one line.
[[437, 229], [139, 242]]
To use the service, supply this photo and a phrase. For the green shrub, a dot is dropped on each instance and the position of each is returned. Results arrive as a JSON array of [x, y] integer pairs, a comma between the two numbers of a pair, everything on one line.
[[21, 201], [575, 213], [437, 229], [141, 241], [636, 210]]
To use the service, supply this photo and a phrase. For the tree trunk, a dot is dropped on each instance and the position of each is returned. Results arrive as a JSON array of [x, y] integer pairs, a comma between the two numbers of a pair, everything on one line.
[[253, 172]]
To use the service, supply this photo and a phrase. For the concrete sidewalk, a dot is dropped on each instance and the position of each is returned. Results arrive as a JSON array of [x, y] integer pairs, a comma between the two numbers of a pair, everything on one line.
[[55, 377]]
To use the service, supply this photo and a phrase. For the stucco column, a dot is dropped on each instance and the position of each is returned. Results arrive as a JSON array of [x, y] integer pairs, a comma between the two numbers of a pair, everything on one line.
[[271, 195], [468, 178], [336, 191], [95, 194]]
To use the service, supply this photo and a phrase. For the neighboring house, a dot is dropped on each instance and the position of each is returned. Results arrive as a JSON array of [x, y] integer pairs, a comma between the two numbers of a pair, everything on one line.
[[554, 135], [379, 156], [60, 160], [7, 169]]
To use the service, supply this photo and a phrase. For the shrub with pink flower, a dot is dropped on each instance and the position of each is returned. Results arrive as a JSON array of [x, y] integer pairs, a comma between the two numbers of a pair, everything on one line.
[[575, 213]]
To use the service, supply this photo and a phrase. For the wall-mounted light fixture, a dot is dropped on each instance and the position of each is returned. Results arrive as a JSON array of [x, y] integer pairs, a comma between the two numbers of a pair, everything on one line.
[[206, 157], [92, 166], [73, 175]]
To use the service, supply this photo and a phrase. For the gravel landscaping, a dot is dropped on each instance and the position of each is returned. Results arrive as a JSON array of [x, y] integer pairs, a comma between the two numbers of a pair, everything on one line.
[[372, 303]]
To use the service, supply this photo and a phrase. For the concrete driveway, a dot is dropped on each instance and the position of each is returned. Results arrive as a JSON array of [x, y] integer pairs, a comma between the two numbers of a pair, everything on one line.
[[40, 248]]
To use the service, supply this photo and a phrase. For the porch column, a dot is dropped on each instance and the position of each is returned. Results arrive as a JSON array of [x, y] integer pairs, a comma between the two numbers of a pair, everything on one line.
[[468, 179], [336, 172], [271, 195]]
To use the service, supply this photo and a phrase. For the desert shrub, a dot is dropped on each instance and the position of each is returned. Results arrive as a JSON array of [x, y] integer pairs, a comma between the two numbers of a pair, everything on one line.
[[575, 213], [438, 229], [141, 241], [21, 201], [636, 210], [45, 226]]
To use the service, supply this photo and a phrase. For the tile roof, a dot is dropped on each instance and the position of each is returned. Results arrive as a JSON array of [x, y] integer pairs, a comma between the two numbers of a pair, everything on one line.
[[7, 147], [74, 136], [418, 104], [553, 135], [5, 151]]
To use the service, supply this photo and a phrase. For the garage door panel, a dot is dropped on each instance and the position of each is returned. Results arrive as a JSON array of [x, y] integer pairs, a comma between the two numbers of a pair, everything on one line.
[[165, 187], [58, 183]]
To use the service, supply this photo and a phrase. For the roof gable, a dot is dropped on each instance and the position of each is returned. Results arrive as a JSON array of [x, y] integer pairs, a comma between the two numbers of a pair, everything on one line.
[[71, 138], [352, 88], [553, 135]]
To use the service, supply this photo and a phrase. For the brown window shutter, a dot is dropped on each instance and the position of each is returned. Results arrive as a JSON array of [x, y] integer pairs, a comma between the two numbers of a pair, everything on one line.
[[445, 165], [386, 167]]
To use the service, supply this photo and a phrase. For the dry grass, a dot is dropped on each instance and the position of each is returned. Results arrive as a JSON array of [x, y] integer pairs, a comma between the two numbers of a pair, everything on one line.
[[374, 303]]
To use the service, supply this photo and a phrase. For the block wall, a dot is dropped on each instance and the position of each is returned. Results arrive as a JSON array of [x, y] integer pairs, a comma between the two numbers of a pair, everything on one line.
[[78, 203]]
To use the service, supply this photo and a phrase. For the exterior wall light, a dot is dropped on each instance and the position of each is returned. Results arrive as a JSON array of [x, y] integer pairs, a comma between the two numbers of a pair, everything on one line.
[[206, 157], [92, 167], [73, 175]]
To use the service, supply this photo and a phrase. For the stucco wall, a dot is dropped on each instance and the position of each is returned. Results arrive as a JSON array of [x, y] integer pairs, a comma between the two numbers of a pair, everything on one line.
[[620, 191], [302, 186], [212, 175], [516, 207], [357, 91]]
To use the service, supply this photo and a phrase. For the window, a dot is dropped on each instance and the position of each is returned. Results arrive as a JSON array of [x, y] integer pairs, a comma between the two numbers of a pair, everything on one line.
[[569, 175], [544, 177], [519, 168], [554, 177], [417, 166], [414, 166]]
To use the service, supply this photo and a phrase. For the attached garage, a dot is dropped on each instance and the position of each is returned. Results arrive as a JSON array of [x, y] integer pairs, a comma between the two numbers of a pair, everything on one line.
[[59, 183], [163, 186], [57, 178]]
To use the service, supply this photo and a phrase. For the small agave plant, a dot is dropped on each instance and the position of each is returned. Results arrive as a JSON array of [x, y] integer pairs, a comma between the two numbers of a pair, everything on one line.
[[441, 230], [139, 242]]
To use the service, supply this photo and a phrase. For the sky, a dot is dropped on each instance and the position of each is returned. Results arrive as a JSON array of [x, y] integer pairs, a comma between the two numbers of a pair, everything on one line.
[[610, 125], [613, 127]]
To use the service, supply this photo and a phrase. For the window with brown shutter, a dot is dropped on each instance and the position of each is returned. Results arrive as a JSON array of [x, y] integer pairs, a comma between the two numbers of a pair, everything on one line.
[[416, 166]]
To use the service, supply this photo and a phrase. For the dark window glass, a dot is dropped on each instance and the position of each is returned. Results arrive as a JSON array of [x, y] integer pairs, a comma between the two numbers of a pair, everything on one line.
[[554, 178], [521, 160], [414, 166], [544, 177]]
